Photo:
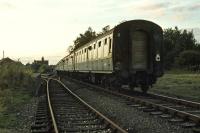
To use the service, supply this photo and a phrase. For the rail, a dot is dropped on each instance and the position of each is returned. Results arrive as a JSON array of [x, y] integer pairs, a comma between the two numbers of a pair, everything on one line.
[[172, 111], [51, 110]]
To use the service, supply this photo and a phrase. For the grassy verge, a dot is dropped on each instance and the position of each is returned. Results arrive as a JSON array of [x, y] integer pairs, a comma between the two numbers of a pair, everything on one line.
[[185, 85], [16, 89], [11, 101]]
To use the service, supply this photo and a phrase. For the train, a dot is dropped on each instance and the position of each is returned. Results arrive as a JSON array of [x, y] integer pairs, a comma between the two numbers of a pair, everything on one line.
[[129, 54]]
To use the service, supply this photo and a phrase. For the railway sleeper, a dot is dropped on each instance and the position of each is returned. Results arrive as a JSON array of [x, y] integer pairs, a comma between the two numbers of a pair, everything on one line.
[[79, 124], [83, 128], [81, 121], [38, 126], [78, 118], [71, 110], [45, 130], [40, 122]]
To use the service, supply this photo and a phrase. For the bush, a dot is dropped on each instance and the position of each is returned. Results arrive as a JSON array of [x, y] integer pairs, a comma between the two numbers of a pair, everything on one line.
[[189, 59], [176, 41], [15, 75], [169, 59], [16, 89]]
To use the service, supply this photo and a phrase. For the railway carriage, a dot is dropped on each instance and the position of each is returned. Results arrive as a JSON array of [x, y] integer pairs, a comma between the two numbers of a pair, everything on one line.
[[130, 53]]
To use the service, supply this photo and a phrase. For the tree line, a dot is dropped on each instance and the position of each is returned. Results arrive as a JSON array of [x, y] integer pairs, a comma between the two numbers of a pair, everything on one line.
[[181, 49], [86, 37]]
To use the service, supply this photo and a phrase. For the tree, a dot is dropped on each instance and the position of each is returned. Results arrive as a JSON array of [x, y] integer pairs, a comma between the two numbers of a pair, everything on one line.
[[88, 36], [70, 49], [189, 58], [176, 41], [84, 38], [104, 30]]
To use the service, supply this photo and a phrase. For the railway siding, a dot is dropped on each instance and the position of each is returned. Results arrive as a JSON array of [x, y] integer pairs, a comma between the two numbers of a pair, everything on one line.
[[69, 113]]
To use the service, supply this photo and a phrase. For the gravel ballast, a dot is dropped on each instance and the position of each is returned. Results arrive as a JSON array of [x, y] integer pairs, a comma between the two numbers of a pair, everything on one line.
[[130, 118], [25, 118]]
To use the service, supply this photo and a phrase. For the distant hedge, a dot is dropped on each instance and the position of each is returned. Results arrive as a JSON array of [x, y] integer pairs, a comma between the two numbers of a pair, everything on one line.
[[189, 59], [16, 89], [15, 75]]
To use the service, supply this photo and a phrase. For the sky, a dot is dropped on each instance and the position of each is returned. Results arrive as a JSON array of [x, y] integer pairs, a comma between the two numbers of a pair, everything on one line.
[[30, 29]]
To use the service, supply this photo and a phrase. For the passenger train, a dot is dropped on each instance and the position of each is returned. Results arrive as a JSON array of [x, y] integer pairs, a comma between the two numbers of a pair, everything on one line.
[[129, 54]]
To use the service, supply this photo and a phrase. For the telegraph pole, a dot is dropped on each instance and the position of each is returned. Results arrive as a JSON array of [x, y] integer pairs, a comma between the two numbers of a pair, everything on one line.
[[3, 54]]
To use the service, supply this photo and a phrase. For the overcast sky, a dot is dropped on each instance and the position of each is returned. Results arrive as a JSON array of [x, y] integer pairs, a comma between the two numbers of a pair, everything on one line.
[[30, 29]]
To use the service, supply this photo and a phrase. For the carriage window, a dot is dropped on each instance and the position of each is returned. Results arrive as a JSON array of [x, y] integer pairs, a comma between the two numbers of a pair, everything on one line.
[[100, 44], [110, 42], [105, 41], [94, 46], [90, 48], [85, 50]]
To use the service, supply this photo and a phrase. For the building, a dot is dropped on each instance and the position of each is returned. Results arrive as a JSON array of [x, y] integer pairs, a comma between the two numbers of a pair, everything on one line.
[[41, 62], [6, 61]]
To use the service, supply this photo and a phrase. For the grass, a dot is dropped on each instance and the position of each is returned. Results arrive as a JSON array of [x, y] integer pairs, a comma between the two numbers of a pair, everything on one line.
[[10, 102], [184, 85], [16, 89]]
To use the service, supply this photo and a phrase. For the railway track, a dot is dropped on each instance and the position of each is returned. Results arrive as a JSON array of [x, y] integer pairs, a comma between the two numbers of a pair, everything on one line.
[[42, 122], [69, 113], [186, 113]]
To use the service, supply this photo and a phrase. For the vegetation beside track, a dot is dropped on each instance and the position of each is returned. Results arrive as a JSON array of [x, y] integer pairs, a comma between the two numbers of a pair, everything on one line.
[[178, 83], [16, 90]]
